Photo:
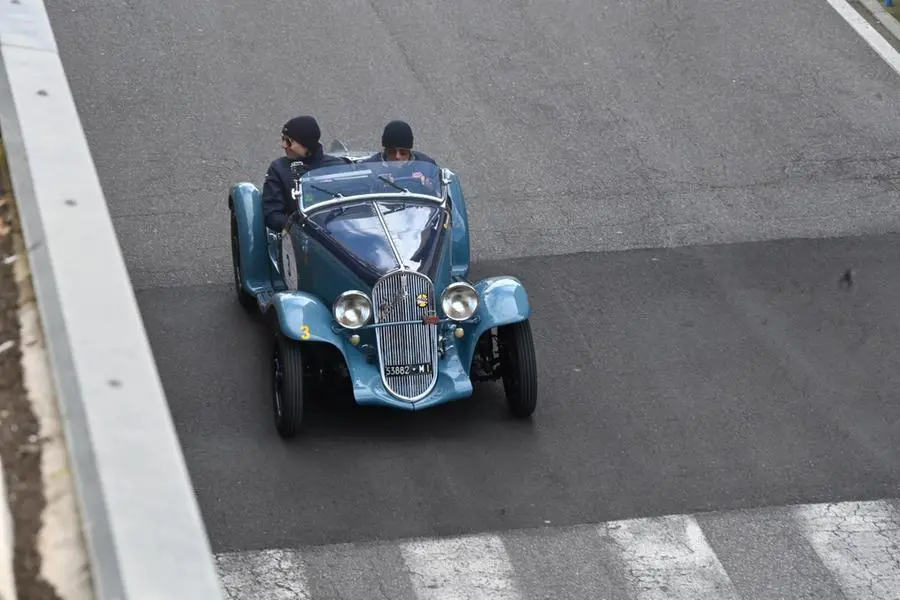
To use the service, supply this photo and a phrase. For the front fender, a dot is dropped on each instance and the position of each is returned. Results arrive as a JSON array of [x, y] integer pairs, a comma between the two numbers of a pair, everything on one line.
[[246, 203], [305, 318], [503, 300]]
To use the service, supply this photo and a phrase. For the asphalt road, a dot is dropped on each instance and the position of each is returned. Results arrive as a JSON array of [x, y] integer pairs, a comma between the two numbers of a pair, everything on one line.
[[675, 379]]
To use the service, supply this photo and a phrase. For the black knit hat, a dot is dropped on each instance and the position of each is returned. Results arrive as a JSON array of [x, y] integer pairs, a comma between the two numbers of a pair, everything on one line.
[[397, 134], [303, 130]]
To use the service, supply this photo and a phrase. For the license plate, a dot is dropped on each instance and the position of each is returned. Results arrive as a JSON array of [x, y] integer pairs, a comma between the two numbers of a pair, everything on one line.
[[398, 370]]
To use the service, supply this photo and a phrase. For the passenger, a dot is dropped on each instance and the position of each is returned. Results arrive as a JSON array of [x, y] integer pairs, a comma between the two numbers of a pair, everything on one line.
[[303, 152]]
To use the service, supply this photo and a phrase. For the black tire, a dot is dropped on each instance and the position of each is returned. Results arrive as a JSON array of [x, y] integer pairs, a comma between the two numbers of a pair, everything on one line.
[[245, 298], [518, 366], [287, 386]]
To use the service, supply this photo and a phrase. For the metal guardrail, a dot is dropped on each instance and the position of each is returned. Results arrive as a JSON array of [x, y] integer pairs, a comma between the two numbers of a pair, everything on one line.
[[142, 524]]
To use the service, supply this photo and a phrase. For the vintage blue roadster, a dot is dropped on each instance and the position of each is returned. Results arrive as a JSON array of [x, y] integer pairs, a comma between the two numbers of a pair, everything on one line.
[[370, 282]]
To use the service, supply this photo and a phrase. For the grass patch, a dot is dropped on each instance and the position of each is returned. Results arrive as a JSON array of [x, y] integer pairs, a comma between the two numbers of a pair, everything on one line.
[[894, 10]]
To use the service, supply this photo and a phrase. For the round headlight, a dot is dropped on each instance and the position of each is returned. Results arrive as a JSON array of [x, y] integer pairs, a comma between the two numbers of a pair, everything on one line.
[[459, 301], [352, 309]]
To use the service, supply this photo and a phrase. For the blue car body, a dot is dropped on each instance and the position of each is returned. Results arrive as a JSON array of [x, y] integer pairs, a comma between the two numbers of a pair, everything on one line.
[[401, 249]]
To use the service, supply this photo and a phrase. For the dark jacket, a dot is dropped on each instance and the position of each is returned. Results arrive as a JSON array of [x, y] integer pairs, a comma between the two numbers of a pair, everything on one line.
[[281, 180], [415, 155]]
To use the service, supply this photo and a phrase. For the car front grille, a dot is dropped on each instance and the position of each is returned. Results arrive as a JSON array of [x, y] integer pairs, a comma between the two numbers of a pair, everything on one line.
[[396, 298]]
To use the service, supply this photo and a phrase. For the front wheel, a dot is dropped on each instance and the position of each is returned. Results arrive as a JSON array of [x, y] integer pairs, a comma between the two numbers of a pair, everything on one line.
[[287, 386], [518, 366]]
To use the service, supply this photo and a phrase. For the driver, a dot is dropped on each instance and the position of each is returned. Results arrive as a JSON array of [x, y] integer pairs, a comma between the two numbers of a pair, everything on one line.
[[303, 152], [397, 143]]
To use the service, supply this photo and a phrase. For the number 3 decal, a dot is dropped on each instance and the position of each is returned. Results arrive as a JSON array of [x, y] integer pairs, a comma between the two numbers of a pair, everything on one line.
[[304, 332]]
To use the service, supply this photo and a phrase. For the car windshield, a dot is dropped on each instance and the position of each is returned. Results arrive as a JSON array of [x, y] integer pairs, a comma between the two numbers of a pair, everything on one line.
[[378, 177], [415, 228]]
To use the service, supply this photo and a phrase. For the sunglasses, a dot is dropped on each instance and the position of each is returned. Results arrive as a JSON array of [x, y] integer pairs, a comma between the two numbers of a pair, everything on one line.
[[401, 152]]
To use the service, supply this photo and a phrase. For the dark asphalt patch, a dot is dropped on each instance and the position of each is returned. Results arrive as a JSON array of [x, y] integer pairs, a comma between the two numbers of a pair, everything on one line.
[[20, 446], [671, 381]]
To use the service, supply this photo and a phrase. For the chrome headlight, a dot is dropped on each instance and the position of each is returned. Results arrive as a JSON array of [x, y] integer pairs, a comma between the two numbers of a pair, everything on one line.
[[459, 301], [352, 309]]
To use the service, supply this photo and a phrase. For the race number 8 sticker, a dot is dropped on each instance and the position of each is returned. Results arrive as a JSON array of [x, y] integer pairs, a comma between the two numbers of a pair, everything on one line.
[[289, 262]]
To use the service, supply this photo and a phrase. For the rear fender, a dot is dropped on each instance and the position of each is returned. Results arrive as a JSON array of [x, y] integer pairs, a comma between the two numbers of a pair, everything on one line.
[[245, 202], [503, 300]]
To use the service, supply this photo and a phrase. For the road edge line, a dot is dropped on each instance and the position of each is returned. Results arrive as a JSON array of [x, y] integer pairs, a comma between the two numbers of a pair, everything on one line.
[[142, 525], [884, 17], [871, 36]]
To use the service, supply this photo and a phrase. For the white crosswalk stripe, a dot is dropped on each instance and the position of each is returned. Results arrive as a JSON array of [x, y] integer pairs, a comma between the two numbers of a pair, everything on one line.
[[263, 575], [669, 559], [860, 545], [466, 567], [849, 550]]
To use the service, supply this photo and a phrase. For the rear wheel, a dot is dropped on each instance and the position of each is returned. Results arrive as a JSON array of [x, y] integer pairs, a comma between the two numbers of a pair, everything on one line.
[[287, 386], [245, 298], [518, 366]]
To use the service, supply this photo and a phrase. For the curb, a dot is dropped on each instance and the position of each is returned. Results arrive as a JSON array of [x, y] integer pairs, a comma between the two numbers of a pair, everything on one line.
[[878, 11], [8, 587], [43, 552], [59, 543]]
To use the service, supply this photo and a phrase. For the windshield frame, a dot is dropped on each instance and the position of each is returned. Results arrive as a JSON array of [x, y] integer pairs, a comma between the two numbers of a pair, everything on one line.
[[360, 166], [387, 233]]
